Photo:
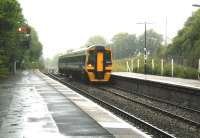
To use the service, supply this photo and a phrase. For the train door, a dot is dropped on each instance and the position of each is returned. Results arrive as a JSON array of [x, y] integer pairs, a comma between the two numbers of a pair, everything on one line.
[[100, 64], [96, 63]]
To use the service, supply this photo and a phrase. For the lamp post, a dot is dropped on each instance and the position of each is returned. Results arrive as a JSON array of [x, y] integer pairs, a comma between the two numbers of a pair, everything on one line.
[[196, 5], [145, 45]]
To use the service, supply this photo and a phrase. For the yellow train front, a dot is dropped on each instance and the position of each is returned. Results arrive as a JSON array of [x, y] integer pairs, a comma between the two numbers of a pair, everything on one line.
[[90, 64]]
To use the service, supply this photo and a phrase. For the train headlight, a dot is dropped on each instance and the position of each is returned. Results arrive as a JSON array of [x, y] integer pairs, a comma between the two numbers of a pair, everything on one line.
[[89, 65]]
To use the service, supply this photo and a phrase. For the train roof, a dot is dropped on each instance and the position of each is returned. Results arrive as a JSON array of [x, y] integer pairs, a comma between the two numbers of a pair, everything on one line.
[[80, 52]]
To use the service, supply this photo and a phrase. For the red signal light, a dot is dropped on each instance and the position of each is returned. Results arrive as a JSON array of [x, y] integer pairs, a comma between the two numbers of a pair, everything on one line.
[[24, 29], [19, 29]]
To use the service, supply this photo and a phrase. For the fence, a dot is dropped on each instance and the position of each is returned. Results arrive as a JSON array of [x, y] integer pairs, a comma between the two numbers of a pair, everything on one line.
[[163, 67]]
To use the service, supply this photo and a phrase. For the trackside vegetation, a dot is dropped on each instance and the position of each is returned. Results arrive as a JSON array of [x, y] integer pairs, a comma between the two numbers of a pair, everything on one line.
[[184, 50], [178, 70], [17, 45]]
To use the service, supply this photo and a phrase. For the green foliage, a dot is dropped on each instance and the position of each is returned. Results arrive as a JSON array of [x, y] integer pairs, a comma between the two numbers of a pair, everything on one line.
[[4, 72], [126, 45], [179, 70], [97, 39], [119, 66], [186, 45], [31, 58], [153, 41], [160, 52], [123, 45], [13, 44]]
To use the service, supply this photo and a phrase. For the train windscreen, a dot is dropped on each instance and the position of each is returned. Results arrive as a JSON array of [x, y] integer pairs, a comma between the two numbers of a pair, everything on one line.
[[108, 57], [92, 58]]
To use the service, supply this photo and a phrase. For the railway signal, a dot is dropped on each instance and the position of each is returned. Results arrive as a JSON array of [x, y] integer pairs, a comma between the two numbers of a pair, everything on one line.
[[26, 39], [24, 29]]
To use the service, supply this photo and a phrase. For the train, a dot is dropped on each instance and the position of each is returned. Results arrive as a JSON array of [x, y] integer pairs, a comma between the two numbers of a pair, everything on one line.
[[90, 64]]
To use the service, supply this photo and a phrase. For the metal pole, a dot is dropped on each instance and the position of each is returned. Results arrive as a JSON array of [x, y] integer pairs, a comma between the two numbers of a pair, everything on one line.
[[166, 32], [145, 46], [14, 69]]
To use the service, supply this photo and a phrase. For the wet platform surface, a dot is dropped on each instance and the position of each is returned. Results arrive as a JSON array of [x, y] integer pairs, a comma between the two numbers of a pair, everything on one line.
[[169, 80], [33, 105]]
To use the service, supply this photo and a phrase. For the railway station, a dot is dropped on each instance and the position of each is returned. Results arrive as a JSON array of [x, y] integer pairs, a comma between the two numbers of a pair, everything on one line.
[[99, 69], [34, 104]]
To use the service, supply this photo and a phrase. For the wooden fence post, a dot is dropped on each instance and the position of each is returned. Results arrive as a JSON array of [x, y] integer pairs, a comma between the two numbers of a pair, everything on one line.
[[199, 70], [172, 62], [132, 65], [138, 64], [152, 65], [161, 66], [127, 67]]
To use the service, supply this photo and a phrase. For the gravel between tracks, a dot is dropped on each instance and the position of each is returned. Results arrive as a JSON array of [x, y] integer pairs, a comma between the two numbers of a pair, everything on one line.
[[194, 116]]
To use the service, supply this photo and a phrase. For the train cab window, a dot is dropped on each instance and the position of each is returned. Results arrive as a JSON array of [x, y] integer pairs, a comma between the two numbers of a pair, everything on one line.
[[92, 58], [108, 57]]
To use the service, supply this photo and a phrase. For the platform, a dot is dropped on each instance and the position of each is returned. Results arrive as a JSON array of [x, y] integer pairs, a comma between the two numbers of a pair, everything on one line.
[[32, 105], [168, 80]]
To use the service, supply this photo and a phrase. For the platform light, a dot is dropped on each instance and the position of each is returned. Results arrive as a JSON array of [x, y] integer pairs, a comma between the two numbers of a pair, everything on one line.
[[196, 5]]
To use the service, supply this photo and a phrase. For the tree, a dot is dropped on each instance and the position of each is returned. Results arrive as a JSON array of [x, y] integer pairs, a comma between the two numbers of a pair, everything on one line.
[[32, 55], [153, 41], [14, 44], [97, 39], [186, 45], [10, 19], [124, 45]]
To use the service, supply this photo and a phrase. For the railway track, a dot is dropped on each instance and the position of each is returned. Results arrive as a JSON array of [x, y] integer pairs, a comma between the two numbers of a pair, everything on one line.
[[193, 111], [155, 131], [138, 101]]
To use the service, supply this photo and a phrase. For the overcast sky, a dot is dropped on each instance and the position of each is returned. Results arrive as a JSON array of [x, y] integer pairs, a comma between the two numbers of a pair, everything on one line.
[[66, 24]]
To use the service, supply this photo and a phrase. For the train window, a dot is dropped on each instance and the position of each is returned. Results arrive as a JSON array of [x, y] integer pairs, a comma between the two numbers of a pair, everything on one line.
[[92, 58], [108, 57]]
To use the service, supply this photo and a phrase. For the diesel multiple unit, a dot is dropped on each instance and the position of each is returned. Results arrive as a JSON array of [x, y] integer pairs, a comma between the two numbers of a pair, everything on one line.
[[93, 63]]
